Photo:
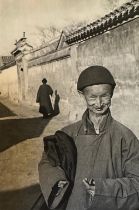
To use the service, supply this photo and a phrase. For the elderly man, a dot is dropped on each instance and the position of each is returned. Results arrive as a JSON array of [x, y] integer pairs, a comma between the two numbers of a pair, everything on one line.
[[107, 170]]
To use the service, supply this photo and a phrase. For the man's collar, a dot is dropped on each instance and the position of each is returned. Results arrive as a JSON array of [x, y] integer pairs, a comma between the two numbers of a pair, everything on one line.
[[88, 126]]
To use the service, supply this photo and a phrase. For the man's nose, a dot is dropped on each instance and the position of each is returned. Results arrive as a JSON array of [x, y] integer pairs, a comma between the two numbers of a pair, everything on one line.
[[98, 102]]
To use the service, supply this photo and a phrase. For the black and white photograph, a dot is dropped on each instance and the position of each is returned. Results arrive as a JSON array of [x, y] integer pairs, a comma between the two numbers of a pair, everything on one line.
[[69, 105]]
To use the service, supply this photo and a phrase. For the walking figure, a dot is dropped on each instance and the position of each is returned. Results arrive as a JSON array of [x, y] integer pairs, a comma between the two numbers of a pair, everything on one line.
[[44, 99]]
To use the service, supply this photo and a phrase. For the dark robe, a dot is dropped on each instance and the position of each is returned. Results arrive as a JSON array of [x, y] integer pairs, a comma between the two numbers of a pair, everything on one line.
[[43, 98], [111, 158]]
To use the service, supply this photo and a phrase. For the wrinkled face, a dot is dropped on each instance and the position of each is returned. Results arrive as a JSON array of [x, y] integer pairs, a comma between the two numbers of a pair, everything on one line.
[[98, 98]]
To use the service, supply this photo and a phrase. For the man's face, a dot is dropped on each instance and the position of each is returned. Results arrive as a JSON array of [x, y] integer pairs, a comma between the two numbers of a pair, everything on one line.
[[98, 98]]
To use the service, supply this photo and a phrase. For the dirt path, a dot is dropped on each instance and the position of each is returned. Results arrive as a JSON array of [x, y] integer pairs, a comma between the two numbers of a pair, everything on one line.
[[21, 132]]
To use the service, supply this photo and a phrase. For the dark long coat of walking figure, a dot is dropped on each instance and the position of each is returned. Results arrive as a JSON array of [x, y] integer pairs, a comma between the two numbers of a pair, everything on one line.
[[43, 98]]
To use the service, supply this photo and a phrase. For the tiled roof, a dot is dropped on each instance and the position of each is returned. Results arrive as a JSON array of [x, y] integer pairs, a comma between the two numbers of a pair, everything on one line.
[[6, 62], [125, 13], [7, 59]]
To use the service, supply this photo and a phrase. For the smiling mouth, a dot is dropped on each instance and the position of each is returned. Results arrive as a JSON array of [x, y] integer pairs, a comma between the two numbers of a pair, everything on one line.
[[99, 109]]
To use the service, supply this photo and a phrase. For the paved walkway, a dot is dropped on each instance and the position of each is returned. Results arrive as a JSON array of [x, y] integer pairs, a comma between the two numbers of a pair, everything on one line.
[[21, 132]]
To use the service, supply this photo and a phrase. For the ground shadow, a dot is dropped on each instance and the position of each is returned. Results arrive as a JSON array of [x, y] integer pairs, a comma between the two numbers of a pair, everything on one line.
[[13, 131], [5, 112], [21, 199]]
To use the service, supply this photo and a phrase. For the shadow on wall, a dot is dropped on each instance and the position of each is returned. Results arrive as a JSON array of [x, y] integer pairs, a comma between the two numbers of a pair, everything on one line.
[[5, 112], [56, 103], [13, 131], [21, 199]]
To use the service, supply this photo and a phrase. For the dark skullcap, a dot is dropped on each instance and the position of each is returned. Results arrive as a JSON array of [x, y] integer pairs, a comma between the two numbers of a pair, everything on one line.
[[95, 75], [44, 80]]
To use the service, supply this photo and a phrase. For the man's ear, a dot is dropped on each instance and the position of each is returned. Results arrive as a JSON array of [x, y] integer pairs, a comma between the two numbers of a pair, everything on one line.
[[112, 92], [81, 94]]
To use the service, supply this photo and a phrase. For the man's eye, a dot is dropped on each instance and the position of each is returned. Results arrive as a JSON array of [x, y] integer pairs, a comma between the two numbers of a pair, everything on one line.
[[92, 97], [106, 96]]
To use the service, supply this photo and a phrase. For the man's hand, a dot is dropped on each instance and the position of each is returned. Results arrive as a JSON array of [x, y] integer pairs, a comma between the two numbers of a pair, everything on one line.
[[57, 193], [61, 185], [90, 186]]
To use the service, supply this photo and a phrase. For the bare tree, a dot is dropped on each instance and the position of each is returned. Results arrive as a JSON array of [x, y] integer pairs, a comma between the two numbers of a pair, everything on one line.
[[48, 33], [116, 3]]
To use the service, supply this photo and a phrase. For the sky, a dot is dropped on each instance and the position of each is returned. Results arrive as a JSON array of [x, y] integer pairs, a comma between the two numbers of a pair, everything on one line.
[[18, 16]]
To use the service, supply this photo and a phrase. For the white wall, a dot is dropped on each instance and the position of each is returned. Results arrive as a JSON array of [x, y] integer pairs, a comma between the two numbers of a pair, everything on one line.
[[9, 84]]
